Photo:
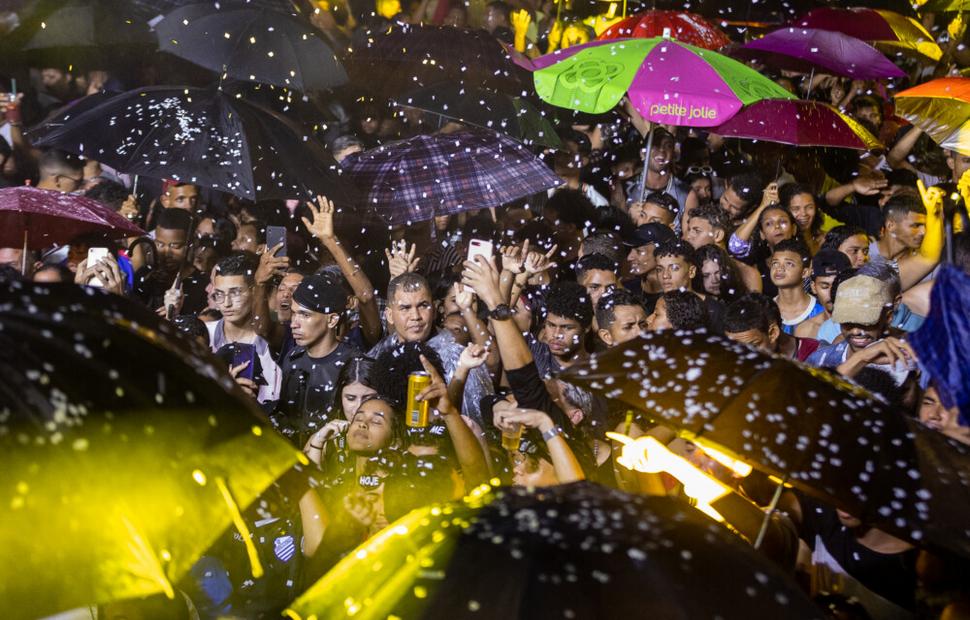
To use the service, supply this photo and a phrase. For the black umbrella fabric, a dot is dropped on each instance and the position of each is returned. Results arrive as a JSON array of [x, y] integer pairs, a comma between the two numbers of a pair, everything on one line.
[[252, 44], [206, 137], [126, 450], [577, 551], [403, 58], [489, 109], [822, 434]]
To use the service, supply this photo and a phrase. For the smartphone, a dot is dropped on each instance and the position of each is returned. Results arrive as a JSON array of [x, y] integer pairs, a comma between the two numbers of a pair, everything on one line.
[[478, 247], [95, 255], [242, 353], [276, 235]]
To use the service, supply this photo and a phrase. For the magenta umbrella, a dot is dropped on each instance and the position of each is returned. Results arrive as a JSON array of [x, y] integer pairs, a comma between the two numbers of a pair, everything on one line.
[[809, 49], [38, 218], [798, 122]]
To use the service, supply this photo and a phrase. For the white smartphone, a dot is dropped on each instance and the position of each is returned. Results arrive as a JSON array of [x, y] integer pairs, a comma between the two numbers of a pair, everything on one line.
[[478, 247], [95, 255]]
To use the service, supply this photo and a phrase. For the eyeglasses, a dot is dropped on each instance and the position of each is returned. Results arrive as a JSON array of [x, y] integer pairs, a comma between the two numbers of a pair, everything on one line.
[[705, 170], [233, 294]]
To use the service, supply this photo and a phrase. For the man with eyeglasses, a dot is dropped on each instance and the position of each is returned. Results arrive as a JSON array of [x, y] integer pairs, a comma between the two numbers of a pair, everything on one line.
[[60, 172], [233, 295], [171, 261]]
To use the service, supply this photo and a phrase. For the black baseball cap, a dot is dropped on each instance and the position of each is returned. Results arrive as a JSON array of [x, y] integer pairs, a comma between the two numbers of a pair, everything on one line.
[[829, 262], [646, 234]]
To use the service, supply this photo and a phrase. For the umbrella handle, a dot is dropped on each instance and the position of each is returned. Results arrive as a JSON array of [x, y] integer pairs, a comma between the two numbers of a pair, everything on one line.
[[23, 259], [646, 164], [771, 510]]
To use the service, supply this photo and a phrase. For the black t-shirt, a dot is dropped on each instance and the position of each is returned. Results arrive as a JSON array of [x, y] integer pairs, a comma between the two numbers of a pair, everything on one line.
[[309, 387], [891, 576]]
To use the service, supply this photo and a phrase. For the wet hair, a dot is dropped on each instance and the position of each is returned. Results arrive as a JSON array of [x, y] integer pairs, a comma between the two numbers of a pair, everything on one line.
[[357, 369], [604, 243], [54, 162], [866, 101], [685, 310], [961, 251], [594, 262], [712, 214], [398, 436], [174, 219], [341, 143], [441, 283], [108, 193], [795, 246], [392, 367], [901, 205], [238, 264], [731, 284], [540, 234], [191, 326], [409, 282], [65, 274], [663, 199], [570, 300], [572, 207], [880, 383], [838, 235], [788, 191], [608, 303], [748, 187], [746, 313], [675, 247]]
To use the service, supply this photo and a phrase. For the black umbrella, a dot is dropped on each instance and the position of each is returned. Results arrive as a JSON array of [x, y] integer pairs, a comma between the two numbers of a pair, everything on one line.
[[126, 450], [79, 31], [402, 58], [253, 44], [818, 432], [572, 551], [513, 116], [203, 136], [150, 9]]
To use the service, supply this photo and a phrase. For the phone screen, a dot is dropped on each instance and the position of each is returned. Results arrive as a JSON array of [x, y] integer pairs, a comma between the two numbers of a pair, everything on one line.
[[276, 235]]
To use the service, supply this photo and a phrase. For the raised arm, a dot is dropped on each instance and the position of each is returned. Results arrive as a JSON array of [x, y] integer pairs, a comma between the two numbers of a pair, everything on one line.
[[470, 457], [322, 228]]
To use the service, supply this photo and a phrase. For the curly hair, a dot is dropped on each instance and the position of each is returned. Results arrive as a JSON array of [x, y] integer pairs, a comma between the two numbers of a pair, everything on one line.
[[685, 310], [838, 235], [570, 300], [239, 264]]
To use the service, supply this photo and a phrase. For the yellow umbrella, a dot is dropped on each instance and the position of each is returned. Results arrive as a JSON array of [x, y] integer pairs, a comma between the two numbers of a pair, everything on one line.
[[123, 506], [887, 30]]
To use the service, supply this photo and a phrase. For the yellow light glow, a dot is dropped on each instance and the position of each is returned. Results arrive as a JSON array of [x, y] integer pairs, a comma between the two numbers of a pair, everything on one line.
[[738, 467], [646, 454], [199, 477]]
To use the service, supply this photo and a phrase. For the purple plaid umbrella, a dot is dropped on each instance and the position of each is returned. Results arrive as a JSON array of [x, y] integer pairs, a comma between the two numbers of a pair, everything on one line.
[[414, 180], [809, 49]]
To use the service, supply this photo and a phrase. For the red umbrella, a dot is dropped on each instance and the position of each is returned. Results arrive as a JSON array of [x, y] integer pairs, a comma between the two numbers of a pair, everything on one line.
[[798, 122], [685, 27], [38, 218]]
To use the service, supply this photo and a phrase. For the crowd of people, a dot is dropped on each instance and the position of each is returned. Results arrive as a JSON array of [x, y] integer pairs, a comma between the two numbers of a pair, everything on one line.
[[823, 256]]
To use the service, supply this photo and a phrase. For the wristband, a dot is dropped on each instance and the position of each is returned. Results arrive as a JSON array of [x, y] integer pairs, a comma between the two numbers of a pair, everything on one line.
[[316, 447], [552, 433]]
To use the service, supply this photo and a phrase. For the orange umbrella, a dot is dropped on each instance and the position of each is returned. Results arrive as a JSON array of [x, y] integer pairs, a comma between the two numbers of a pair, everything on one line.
[[683, 26], [941, 108]]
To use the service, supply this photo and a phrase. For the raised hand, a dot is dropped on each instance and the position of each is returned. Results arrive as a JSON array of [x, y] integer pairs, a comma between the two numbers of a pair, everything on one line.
[[473, 356], [401, 259], [321, 224], [537, 262], [271, 265]]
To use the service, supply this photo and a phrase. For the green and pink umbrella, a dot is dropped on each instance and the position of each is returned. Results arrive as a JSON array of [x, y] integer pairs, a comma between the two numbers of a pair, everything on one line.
[[668, 82]]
